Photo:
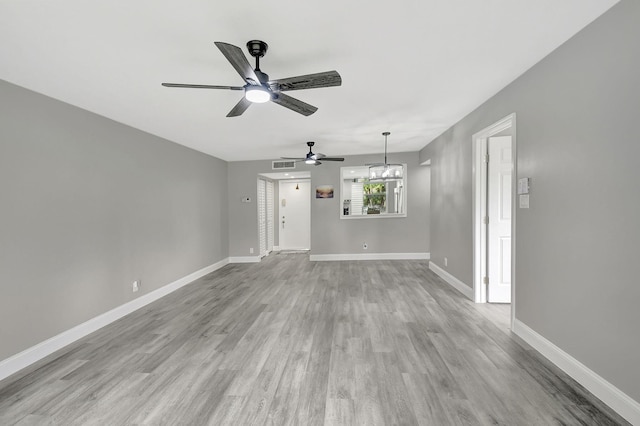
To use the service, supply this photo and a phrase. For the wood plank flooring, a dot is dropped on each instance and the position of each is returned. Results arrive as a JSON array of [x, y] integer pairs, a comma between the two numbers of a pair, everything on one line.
[[294, 342]]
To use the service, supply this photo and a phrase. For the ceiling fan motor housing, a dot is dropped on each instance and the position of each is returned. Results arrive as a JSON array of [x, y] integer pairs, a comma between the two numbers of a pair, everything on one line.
[[264, 77]]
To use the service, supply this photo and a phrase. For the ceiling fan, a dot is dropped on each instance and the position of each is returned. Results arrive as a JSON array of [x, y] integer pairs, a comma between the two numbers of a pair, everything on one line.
[[258, 87], [315, 159]]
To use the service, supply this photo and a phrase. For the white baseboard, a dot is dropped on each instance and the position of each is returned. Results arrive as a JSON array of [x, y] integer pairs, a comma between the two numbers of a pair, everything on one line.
[[35, 353], [620, 402], [453, 281], [369, 256], [276, 248], [244, 259]]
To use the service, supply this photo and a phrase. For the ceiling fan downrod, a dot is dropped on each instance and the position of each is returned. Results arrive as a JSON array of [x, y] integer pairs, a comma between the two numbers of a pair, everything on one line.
[[257, 49]]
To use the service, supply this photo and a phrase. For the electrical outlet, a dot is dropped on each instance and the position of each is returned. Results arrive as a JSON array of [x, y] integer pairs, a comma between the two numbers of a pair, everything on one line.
[[251, 250], [135, 286], [365, 246], [445, 261]]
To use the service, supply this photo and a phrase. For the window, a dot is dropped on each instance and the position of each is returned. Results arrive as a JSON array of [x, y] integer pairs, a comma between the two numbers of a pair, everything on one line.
[[364, 198], [375, 197]]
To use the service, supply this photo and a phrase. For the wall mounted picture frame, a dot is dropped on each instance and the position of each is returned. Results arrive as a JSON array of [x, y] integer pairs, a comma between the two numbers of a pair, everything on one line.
[[324, 191]]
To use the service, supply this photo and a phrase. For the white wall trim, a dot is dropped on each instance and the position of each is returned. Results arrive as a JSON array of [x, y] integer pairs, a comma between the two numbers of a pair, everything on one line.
[[620, 402], [244, 259], [369, 256], [35, 353], [453, 281], [276, 248]]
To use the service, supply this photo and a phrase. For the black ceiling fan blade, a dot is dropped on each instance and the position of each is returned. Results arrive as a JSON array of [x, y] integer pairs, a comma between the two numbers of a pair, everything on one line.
[[332, 159], [293, 104], [239, 108], [237, 59], [202, 86], [309, 81]]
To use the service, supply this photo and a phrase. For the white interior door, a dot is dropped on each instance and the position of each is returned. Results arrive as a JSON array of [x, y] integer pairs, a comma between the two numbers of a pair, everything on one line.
[[499, 172], [295, 215]]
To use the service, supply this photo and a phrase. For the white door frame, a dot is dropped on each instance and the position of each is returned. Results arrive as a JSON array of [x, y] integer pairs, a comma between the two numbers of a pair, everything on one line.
[[479, 173]]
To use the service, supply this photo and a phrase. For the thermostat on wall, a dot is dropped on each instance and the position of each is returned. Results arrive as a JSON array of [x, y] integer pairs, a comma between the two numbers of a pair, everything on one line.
[[246, 199]]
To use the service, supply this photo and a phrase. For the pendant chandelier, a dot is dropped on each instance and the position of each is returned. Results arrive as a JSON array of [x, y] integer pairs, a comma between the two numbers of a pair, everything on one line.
[[385, 171]]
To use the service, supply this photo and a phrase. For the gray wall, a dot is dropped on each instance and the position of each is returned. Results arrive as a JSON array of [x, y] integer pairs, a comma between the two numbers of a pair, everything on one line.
[[576, 267], [88, 206], [330, 234], [451, 196], [243, 217]]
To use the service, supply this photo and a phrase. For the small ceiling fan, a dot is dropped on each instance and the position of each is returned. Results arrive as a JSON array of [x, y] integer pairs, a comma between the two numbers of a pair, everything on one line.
[[314, 159], [258, 87]]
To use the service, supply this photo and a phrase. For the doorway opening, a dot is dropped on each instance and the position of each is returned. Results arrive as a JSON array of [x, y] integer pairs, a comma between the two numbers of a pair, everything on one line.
[[294, 227], [280, 205], [494, 174]]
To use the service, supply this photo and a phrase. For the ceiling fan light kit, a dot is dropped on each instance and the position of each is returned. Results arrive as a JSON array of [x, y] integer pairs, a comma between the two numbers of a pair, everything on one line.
[[258, 87], [385, 171], [257, 94]]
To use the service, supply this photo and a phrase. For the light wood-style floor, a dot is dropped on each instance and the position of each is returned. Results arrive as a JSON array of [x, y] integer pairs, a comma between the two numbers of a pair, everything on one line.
[[294, 342]]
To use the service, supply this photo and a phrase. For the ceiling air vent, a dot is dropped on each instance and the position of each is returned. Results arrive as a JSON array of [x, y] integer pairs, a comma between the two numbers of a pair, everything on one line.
[[283, 164]]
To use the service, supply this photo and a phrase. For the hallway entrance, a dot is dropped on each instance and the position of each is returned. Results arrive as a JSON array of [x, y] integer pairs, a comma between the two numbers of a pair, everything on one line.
[[493, 221]]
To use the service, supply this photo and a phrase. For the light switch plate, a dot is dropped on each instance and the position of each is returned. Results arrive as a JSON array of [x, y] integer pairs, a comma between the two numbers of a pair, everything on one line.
[[524, 201], [523, 185]]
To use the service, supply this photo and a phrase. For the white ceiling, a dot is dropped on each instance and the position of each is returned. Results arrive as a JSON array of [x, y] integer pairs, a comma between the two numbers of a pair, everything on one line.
[[413, 67]]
